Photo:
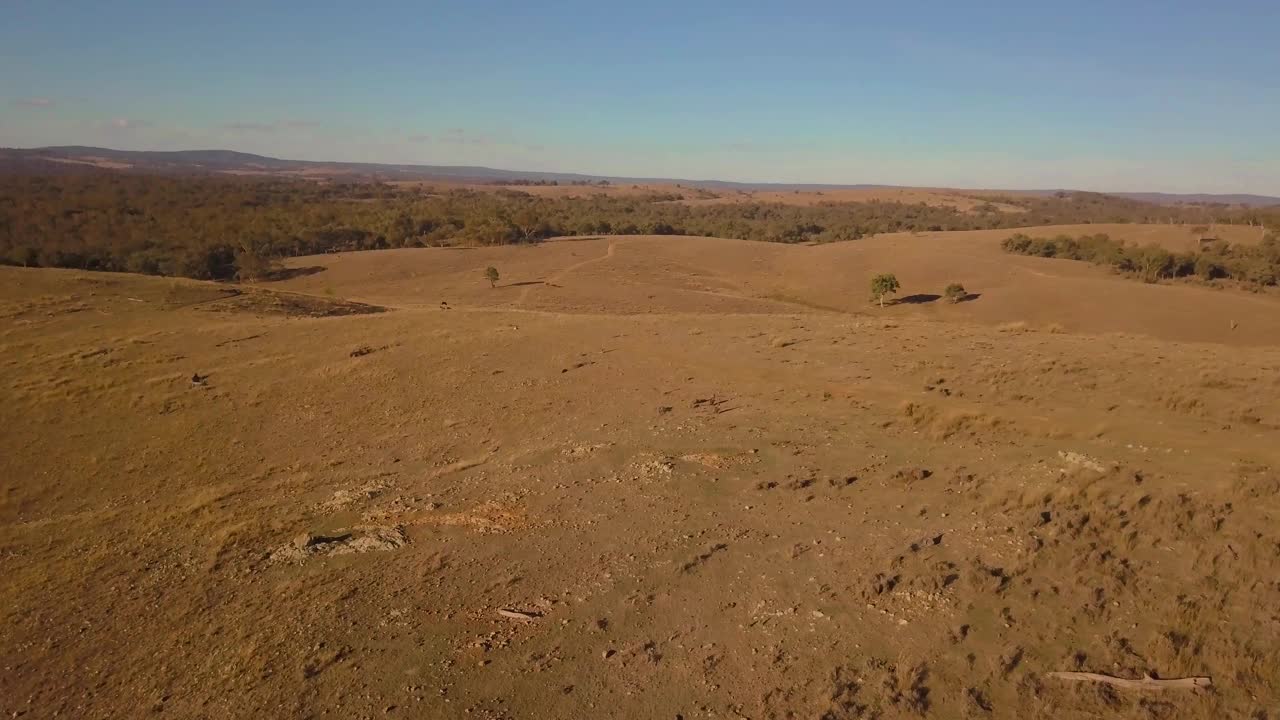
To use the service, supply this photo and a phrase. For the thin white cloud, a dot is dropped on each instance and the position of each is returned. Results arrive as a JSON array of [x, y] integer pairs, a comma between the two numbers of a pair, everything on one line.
[[269, 127], [459, 136], [249, 127], [753, 146], [35, 102], [124, 123]]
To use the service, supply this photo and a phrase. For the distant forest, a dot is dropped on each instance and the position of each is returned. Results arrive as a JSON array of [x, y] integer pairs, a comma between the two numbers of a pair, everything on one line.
[[223, 228], [1252, 265]]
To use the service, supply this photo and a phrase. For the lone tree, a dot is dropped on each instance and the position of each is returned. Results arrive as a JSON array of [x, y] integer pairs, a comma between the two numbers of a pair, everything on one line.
[[955, 292], [491, 274], [253, 260], [884, 284]]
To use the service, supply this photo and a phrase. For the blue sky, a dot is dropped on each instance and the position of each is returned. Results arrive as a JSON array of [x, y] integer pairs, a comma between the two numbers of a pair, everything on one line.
[[1122, 95]]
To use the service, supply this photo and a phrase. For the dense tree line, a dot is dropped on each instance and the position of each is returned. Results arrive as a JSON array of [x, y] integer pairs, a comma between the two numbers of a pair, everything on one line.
[[216, 228], [551, 183], [1257, 265]]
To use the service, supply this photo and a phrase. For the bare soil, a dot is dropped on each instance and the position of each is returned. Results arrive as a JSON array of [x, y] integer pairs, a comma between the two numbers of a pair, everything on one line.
[[642, 477]]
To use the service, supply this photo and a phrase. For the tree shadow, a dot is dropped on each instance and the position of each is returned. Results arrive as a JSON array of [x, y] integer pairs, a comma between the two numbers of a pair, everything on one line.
[[291, 273], [918, 299], [526, 282], [970, 297]]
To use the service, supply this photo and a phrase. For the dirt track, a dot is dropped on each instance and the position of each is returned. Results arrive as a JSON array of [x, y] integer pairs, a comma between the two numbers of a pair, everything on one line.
[[701, 478]]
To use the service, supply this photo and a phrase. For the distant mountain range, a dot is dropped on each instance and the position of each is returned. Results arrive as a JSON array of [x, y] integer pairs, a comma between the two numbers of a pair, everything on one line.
[[1201, 199], [77, 159]]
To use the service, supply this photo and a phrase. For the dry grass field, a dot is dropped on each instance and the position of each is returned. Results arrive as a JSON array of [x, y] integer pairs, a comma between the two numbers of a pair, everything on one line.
[[657, 477]]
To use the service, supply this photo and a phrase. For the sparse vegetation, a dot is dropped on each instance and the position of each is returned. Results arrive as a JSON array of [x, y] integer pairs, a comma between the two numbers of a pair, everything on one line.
[[955, 292], [1256, 265], [883, 284], [491, 274]]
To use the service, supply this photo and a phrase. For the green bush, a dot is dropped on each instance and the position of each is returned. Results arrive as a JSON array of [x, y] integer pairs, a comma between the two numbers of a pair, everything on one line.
[[883, 284]]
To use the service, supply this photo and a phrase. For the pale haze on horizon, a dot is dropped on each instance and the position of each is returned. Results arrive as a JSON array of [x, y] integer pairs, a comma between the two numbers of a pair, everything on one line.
[[1118, 96]]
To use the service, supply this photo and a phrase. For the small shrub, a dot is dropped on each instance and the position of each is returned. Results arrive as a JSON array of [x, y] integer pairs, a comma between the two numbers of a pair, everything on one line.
[[253, 262], [883, 284], [491, 274], [955, 292]]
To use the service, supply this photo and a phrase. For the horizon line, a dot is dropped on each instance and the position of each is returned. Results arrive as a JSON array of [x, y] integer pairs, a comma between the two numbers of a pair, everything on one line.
[[655, 179]]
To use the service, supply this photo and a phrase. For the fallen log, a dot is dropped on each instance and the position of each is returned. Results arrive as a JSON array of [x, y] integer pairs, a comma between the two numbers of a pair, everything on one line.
[[1146, 683], [517, 615]]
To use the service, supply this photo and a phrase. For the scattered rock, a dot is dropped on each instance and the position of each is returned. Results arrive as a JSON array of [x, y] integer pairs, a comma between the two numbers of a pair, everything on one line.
[[660, 467], [1082, 460], [714, 461], [356, 540], [345, 497], [911, 474], [581, 451]]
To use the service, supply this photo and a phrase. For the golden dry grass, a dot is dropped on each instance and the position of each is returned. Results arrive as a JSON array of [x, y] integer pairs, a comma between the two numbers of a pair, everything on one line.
[[643, 477]]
